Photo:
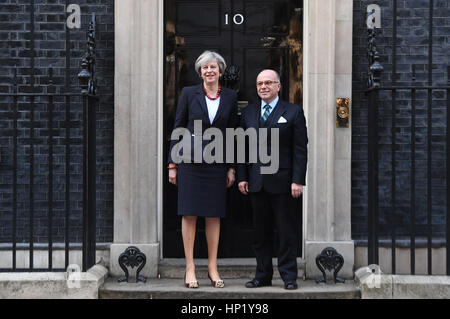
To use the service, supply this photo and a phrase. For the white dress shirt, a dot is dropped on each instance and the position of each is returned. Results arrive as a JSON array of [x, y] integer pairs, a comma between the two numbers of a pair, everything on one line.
[[213, 106], [272, 105]]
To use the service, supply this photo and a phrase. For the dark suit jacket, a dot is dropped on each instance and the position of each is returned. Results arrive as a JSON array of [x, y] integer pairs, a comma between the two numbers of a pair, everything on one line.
[[292, 148], [192, 106]]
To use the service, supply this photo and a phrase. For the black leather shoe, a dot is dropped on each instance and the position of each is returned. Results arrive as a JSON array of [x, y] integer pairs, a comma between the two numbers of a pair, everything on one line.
[[290, 285], [256, 283]]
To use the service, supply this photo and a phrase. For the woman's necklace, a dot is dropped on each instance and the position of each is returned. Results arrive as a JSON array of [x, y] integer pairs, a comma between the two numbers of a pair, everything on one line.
[[213, 98]]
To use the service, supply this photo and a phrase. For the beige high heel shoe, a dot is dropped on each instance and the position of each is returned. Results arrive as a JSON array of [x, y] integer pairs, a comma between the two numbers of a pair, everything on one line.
[[216, 283], [190, 284]]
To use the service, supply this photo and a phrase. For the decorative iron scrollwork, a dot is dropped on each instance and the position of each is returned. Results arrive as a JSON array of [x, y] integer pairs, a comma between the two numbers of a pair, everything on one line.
[[86, 76], [375, 67], [132, 257], [330, 259]]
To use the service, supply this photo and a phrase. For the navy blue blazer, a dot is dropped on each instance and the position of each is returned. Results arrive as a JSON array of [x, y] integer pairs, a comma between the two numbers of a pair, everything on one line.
[[192, 106], [292, 148]]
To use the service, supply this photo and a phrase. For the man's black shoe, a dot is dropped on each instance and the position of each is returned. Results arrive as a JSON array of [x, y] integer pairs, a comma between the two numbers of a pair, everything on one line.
[[256, 283], [290, 285]]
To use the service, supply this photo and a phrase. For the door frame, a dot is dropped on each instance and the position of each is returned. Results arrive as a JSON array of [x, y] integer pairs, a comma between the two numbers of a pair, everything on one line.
[[138, 175], [161, 172]]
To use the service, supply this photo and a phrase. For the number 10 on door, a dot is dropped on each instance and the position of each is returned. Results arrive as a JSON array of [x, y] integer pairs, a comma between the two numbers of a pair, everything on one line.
[[237, 19]]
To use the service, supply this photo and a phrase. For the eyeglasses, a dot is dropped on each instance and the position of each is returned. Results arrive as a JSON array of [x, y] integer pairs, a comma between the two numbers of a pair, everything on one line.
[[266, 83]]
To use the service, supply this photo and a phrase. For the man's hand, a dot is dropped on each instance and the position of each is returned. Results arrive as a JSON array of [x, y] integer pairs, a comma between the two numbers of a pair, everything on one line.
[[243, 187], [230, 177], [296, 190]]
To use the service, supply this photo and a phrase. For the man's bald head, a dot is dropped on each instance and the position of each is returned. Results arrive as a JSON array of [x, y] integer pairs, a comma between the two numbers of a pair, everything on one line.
[[268, 85]]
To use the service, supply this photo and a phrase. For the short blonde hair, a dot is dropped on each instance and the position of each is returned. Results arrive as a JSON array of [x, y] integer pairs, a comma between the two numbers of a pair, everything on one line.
[[210, 56]]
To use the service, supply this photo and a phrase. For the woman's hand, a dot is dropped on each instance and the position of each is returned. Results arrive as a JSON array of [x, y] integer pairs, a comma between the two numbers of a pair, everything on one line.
[[173, 172], [230, 177], [296, 190]]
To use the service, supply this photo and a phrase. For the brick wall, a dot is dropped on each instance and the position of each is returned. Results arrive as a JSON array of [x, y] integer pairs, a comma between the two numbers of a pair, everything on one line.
[[412, 49], [50, 50]]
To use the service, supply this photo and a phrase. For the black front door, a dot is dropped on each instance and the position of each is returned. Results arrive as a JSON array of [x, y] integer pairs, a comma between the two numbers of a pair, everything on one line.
[[251, 35]]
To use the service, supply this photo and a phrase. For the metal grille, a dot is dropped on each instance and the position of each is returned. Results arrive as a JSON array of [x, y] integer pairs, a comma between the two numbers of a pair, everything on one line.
[[428, 105], [41, 121]]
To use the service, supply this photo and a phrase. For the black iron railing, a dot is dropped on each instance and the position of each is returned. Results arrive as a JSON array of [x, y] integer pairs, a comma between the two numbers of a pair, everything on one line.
[[59, 124], [385, 99]]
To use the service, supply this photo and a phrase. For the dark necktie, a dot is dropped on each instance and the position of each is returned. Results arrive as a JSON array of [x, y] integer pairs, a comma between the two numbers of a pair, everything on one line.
[[266, 112]]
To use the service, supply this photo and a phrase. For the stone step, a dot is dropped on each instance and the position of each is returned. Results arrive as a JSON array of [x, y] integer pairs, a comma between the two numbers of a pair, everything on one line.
[[229, 268], [170, 288]]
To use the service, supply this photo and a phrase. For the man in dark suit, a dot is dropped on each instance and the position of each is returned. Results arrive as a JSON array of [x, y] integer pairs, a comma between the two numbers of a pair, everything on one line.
[[273, 196]]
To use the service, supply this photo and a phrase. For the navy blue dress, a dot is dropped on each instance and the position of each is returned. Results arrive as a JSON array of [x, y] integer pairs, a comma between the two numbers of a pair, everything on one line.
[[201, 186]]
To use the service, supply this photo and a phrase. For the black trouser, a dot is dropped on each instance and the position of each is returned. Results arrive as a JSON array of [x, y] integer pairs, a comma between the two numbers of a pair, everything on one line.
[[275, 211]]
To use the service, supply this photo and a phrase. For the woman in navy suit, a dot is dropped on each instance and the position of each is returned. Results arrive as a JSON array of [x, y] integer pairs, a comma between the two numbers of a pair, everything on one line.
[[201, 186]]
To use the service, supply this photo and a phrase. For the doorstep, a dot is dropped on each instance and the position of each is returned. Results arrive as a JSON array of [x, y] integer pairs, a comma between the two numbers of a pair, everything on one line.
[[231, 268], [173, 288]]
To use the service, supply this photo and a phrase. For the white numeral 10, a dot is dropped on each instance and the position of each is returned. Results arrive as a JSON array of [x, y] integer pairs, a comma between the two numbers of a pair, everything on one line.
[[237, 19]]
